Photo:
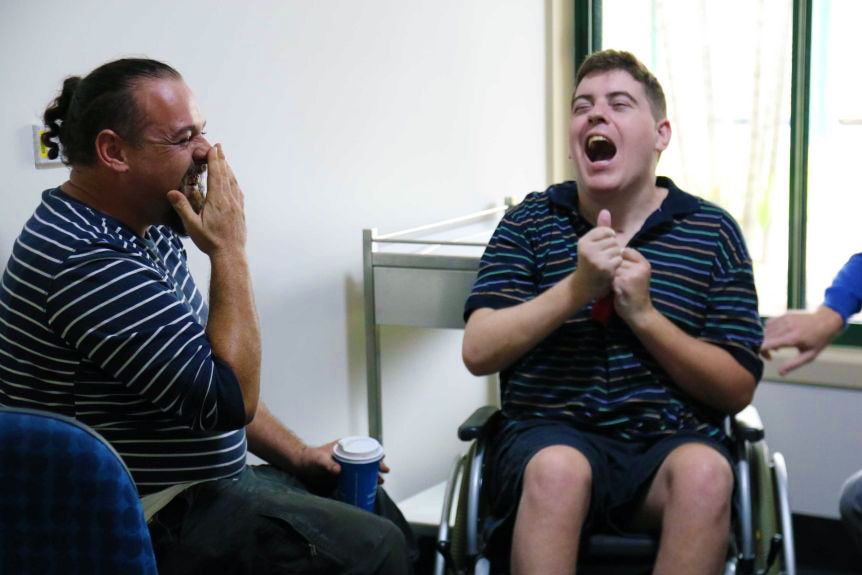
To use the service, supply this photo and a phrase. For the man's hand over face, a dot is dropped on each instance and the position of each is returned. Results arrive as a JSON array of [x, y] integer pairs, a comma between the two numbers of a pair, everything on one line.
[[219, 225], [631, 286], [599, 255]]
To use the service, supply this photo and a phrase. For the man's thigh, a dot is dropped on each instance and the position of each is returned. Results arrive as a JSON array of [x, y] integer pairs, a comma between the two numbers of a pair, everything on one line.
[[265, 522]]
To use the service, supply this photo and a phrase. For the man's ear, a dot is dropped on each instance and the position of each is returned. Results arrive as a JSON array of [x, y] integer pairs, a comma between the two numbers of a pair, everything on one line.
[[663, 132], [111, 151]]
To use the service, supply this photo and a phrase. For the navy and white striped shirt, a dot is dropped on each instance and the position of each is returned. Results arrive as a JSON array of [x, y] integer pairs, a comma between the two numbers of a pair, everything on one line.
[[103, 326], [601, 378]]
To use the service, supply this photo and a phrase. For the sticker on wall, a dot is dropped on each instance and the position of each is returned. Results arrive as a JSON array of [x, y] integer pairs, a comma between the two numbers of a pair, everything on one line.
[[41, 151]]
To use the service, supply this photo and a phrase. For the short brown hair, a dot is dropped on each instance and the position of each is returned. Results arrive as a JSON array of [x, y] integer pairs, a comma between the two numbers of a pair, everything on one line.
[[609, 60]]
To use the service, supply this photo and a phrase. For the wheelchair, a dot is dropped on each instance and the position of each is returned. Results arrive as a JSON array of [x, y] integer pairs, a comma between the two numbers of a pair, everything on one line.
[[761, 542]]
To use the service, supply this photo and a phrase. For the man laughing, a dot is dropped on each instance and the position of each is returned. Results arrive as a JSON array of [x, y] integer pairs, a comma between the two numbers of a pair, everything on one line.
[[621, 314]]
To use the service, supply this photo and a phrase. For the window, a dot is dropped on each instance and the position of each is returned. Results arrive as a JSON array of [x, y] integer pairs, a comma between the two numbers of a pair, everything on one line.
[[834, 138], [729, 75]]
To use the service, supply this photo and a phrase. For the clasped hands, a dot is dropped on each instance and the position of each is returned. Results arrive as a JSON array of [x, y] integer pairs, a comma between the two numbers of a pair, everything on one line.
[[606, 266]]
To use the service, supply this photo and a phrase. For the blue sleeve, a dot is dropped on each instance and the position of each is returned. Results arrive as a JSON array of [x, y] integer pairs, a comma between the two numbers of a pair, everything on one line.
[[845, 294]]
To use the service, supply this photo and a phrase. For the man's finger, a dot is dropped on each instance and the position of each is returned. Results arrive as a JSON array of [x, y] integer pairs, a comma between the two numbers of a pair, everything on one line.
[[215, 165], [603, 219], [183, 207], [632, 255]]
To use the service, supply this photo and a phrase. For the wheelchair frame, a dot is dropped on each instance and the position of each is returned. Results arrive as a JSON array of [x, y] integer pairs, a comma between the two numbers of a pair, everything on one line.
[[762, 542]]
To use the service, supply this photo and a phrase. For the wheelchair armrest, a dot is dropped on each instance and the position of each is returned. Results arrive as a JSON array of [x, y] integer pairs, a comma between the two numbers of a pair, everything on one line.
[[747, 425], [473, 425]]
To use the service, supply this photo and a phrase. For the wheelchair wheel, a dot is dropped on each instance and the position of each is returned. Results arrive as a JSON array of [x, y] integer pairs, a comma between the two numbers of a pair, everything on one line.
[[458, 538], [765, 512], [773, 530]]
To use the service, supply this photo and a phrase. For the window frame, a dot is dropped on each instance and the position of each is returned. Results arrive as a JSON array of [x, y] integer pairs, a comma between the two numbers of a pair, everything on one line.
[[587, 39]]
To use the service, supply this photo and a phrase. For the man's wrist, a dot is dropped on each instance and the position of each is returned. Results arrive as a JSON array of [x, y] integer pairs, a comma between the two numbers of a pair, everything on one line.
[[228, 256], [577, 293], [643, 321]]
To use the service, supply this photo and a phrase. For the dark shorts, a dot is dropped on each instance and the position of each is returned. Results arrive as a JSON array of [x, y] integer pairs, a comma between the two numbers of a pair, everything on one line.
[[265, 521], [622, 471]]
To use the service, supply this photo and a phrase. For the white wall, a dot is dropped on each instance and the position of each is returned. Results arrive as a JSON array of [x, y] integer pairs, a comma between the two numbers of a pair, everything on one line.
[[336, 115], [819, 431]]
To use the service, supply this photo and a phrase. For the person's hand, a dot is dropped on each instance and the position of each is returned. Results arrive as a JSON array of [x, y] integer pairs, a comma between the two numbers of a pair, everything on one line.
[[314, 464], [220, 222], [808, 332], [631, 286], [599, 255], [383, 469]]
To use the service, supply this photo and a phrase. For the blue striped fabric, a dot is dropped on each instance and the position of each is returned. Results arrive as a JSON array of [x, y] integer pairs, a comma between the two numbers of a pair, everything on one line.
[[601, 378], [108, 328]]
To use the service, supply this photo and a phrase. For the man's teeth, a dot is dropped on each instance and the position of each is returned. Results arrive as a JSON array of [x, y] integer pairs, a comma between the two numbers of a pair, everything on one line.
[[600, 148]]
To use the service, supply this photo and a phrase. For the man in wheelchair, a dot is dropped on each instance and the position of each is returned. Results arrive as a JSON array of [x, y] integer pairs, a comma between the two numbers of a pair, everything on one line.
[[622, 316]]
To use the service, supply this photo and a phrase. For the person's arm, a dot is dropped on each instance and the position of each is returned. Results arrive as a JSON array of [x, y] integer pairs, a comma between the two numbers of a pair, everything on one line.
[[219, 231], [116, 308], [702, 369], [495, 339]]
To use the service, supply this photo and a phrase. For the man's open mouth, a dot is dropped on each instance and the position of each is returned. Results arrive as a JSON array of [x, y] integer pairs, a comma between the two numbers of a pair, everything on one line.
[[192, 186], [599, 148]]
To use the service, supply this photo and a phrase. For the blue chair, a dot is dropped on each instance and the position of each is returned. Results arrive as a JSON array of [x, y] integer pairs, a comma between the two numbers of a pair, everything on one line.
[[67, 501]]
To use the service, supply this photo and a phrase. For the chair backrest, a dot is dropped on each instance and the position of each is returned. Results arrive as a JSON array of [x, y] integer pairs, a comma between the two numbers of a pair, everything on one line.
[[67, 501]]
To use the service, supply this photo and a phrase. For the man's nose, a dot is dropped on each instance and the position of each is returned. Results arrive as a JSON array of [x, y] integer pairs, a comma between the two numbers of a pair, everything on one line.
[[596, 115], [202, 148]]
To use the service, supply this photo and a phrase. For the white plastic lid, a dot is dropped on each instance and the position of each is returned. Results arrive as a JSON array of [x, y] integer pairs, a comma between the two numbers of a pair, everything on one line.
[[359, 448]]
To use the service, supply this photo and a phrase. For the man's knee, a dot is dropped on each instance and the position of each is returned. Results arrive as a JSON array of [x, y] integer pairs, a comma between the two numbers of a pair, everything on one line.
[[559, 474], [700, 476], [393, 551]]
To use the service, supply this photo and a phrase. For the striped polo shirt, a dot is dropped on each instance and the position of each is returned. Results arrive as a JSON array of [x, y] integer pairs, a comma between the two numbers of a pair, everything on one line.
[[600, 377], [101, 325]]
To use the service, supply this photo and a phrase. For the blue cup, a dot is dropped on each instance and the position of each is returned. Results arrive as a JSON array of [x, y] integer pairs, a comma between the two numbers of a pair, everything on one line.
[[359, 457]]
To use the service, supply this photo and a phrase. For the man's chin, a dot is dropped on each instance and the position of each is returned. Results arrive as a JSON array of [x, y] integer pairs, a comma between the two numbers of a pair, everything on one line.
[[175, 223]]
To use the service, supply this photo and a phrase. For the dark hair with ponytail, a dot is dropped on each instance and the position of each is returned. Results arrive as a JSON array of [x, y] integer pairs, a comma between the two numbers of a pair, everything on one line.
[[101, 100]]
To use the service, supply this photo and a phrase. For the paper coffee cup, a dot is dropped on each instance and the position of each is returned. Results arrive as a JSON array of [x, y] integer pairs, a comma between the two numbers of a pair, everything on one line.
[[359, 457]]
